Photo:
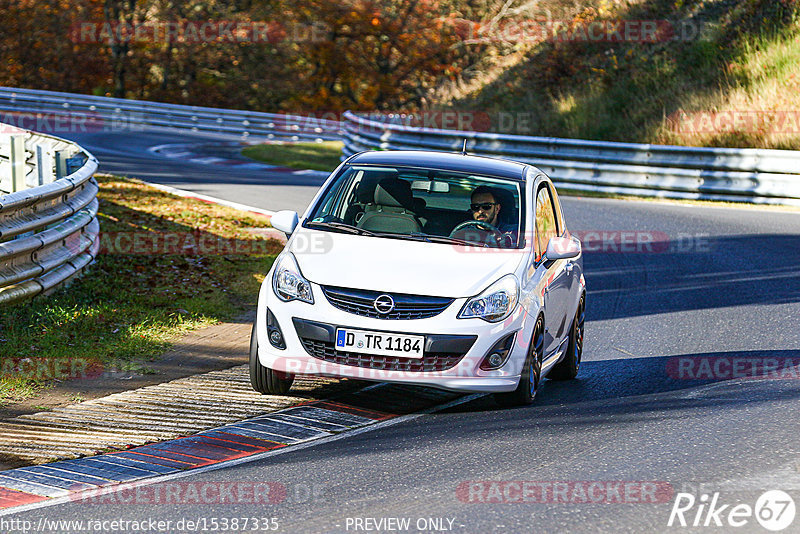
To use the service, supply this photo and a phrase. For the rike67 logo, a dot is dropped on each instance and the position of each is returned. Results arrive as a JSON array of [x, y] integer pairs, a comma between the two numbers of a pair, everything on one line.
[[774, 510]]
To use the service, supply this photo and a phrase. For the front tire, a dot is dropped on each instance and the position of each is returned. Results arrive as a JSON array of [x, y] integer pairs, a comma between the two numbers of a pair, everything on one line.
[[531, 373], [567, 369], [263, 379]]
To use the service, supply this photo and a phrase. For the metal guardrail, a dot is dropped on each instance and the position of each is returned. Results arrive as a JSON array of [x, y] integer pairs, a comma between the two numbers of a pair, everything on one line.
[[48, 218], [34, 107], [742, 175], [749, 175]]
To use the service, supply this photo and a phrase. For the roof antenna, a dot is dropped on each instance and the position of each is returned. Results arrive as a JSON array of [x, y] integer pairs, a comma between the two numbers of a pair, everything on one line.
[[464, 149]]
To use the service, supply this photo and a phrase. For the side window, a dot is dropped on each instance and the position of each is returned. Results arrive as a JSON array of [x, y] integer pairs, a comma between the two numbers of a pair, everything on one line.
[[559, 212], [337, 196], [546, 227]]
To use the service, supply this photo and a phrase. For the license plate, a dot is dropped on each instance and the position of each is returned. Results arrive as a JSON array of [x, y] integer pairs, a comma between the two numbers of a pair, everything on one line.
[[380, 343]]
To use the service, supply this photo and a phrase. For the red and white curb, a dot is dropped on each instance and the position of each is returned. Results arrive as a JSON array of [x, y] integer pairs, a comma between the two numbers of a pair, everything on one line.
[[253, 439]]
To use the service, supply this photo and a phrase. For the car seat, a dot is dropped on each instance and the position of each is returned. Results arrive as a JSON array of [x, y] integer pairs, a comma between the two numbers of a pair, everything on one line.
[[508, 210], [392, 209], [364, 195]]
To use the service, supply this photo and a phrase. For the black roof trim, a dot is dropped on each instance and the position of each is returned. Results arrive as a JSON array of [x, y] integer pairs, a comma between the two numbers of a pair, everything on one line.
[[445, 161]]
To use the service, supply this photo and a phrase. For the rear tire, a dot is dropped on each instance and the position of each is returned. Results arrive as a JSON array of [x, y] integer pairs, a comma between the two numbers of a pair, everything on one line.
[[567, 369], [263, 379], [531, 373]]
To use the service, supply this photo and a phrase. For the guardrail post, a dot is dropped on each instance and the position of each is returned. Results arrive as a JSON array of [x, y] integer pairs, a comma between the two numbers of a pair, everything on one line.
[[40, 165], [18, 163], [44, 164], [61, 164]]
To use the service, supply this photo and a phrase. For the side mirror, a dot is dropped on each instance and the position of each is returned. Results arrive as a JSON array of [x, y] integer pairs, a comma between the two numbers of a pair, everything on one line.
[[285, 221], [562, 248]]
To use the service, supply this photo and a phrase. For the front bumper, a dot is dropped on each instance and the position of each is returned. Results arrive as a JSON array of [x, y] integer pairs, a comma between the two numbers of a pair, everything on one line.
[[454, 347]]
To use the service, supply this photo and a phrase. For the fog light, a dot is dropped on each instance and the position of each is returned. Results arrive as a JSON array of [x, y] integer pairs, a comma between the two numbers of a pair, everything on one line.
[[274, 332], [498, 354], [495, 360], [275, 338]]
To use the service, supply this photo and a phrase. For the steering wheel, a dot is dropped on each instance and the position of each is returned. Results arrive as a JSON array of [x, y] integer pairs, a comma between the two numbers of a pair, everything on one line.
[[497, 234]]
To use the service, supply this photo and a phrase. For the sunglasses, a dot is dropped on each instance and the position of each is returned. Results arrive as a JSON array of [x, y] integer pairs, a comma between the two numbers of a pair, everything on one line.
[[485, 206]]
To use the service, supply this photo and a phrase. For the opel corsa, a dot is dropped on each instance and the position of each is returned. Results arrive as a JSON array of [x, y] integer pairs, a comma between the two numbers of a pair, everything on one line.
[[427, 268]]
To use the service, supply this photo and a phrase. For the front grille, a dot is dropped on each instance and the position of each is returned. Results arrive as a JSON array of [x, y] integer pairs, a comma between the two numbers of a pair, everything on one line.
[[360, 302], [324, 350]]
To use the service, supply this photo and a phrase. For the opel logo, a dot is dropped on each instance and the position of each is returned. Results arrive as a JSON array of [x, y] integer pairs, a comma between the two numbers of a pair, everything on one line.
[[383, 304]]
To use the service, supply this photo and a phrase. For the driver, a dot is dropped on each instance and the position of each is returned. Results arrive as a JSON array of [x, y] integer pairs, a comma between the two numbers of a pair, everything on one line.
[[485, 207]]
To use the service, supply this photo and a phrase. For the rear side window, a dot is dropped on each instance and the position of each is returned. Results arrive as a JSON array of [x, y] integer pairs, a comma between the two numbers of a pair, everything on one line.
[[546, 227]]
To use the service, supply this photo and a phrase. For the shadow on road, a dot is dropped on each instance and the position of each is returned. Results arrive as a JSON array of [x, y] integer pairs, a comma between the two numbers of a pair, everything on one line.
[[605, 388], [721, 272]]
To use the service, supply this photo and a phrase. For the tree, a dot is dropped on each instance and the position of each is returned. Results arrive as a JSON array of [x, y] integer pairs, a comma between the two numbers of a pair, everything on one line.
[[370, 55]]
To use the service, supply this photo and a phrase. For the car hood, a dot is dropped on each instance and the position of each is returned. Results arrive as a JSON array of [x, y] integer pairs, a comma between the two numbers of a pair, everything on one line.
[[400, 266]]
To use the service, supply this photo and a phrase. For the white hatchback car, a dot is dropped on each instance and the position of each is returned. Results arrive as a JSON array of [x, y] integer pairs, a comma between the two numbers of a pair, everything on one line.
[[426, 268]]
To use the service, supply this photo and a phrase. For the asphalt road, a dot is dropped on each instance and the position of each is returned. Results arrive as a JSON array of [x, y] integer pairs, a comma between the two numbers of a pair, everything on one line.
[[130, 154], [716, 285]]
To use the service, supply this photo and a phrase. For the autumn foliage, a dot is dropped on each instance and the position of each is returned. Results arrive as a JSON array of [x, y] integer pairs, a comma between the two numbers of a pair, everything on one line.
[[309, 55]]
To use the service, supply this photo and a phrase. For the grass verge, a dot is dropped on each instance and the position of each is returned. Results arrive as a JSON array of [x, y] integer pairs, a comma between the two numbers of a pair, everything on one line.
[[726, 77], [317, 156], [167, 265]]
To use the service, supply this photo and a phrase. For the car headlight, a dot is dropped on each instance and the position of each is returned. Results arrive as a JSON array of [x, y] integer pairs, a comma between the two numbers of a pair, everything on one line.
[[288, 283], [495, 303]]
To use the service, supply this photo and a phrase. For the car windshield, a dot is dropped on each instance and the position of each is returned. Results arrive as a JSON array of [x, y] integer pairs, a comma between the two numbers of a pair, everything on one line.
[[422, 204]]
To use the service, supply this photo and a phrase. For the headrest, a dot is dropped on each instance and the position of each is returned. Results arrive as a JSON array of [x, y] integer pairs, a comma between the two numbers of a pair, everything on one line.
[[508, 211], [394, 192], [365, 192]]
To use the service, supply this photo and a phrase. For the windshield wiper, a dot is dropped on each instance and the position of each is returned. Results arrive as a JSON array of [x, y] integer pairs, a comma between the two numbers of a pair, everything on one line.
[[342, 227], [435, 239]]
